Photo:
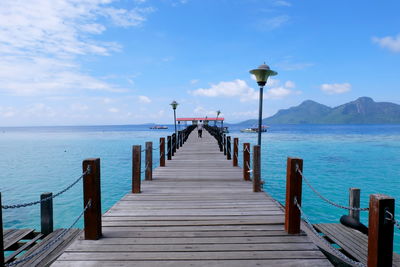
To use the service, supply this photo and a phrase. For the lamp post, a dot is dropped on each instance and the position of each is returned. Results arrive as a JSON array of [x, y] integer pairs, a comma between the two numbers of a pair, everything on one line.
[[262, 73], [174, 104]]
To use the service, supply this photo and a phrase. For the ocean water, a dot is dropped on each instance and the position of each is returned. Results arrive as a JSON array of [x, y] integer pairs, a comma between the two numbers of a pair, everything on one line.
[[34, 160]]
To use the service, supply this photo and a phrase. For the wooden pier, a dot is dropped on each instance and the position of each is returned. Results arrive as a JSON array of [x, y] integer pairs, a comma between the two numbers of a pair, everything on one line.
[[196, 211]]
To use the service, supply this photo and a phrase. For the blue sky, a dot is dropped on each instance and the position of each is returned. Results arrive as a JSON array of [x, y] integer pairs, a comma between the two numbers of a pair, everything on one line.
[[70, 62]]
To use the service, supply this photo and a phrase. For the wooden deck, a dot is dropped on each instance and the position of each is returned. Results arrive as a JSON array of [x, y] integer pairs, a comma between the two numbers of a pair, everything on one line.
[[24, 243], [197, 211]]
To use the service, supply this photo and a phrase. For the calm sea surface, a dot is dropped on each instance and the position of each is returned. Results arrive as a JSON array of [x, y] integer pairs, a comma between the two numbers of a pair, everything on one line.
[[336, 157]]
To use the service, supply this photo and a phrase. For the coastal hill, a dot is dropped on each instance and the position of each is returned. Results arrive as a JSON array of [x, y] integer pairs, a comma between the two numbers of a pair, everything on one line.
[[364, 110]]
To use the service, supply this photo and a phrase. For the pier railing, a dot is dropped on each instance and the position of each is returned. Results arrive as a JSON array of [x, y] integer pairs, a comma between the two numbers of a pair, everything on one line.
[[381, 217]]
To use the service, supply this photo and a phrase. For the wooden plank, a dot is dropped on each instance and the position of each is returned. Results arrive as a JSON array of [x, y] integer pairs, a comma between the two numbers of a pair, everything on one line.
[[227, 263], [15, 236], [197, 211]]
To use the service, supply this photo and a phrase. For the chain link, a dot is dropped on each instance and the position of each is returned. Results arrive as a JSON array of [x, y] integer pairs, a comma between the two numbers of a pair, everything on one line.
[[23, 205], [52, 242], [248, 167], [392, 219], [332, 249], [324, 198]]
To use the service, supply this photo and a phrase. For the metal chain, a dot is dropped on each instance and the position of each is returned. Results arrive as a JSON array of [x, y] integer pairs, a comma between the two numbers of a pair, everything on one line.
[[51, 243], [324, 198], [331, 248], [16, 206], [145, 168], [392, 219]]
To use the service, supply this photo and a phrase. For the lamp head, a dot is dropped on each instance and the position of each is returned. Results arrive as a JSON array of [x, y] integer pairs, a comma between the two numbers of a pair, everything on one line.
[[174, 104], [262, 73]]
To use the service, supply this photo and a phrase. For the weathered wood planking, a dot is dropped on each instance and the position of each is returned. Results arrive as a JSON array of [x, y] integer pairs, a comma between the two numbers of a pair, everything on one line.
[[352, 241], [197, 211]]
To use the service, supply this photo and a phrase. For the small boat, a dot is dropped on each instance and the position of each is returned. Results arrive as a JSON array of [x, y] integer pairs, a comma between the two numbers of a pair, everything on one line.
[[255, 129], [158, 127]]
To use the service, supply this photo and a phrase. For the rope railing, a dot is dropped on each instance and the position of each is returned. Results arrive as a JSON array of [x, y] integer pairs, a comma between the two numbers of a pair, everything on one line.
[[324, 198], [331, 248], [52, 242], [23, 205]]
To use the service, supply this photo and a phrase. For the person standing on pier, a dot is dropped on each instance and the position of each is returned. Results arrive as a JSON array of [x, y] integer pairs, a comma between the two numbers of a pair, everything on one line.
[[200, 129]]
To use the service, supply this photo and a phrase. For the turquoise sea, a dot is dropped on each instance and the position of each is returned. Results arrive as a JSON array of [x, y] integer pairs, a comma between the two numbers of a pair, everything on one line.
[[34, 160]]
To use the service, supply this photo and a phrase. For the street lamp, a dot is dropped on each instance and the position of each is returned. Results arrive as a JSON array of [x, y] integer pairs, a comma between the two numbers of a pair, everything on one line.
[[174, 104], [262, 74]]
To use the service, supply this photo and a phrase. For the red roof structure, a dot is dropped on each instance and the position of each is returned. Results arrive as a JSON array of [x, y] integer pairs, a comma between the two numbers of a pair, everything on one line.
[[200, 119]]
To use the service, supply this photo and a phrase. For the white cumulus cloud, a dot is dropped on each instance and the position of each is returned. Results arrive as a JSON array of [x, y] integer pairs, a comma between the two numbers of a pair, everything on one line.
[[336, 88], [240, 89], [389, 42], [41, 40], [144, 99]]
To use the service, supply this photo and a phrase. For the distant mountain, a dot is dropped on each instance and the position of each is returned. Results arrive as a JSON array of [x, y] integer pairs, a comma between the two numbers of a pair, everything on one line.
[[364, 110]]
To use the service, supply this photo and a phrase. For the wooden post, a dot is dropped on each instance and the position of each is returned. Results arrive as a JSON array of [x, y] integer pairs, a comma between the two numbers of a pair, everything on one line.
[[354, 202], [235, 151], [246, 161], [224, 143], [177, 139], [228, 148], [256, 169], [136, 168], [92, 191], [169, 147], [149, 161], [380, 231], [162, 152], [181, 138], [173, 144], [1, 235], [293, 189], [46, 214]]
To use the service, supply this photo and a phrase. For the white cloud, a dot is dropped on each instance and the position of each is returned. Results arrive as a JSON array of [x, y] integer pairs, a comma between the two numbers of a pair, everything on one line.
[[239, 88], [389, 42], [201, 111], [113, 110], [194, 81], [144, 99], [40, 42], [335, 88]]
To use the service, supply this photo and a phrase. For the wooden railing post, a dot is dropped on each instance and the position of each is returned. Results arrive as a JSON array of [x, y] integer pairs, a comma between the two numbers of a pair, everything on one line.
[[354, 202], [224, 142], [180, 138], [256, 169], [1, 235], [136, 168], [92, 192], [169, 148], [228, 148], [380, 231], [149, 161], [293, 190], [46, 214], [173, 144], [235, 151], [246, 161], [162, 152]]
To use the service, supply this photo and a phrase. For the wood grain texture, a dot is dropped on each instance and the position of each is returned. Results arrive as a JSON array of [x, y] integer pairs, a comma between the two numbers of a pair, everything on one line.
[[197, 211]]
